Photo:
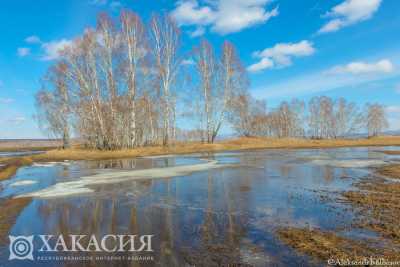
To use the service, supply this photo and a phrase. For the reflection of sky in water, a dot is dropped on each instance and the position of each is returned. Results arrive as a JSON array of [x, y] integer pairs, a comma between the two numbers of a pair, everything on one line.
[[18, 153], [229, 212]]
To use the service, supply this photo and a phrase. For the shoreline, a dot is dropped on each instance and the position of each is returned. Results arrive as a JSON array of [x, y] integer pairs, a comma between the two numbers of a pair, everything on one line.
[[375, 202], [10, 165]]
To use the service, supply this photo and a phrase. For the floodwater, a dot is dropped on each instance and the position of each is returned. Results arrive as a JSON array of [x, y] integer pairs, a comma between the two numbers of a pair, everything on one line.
[[203, 209], [18, 153]]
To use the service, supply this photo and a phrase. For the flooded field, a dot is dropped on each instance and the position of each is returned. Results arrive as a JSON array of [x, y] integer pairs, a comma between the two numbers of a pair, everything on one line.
[[18, 153], [203, 209]]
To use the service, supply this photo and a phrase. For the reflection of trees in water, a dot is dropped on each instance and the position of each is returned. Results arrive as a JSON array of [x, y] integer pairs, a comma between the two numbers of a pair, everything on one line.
[[114, 215], [128, 164], [218, 234], [222, 232], [285, 170], [328, 174]]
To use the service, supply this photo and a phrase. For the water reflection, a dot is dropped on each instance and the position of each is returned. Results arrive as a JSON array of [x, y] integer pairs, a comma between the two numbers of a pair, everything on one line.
[[208, 218], [18, 153]]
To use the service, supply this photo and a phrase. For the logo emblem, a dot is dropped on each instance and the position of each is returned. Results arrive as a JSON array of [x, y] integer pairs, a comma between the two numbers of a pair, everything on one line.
[[21, 247]]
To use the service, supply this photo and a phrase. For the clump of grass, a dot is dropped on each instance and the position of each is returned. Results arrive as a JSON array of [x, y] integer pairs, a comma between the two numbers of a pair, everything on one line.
[[323, 245], [10, 166], [392, 171], [377, 202]]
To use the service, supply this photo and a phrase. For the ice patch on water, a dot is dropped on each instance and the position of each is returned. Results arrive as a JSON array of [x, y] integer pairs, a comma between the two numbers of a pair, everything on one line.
[[81, 186], [23, 182], [349, 163], [319, 157], [51, 164], [159, 156], [61, 190]]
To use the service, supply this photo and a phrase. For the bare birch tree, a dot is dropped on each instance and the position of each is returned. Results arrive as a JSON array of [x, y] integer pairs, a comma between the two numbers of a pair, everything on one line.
[[165, 36], [376, 119], [207, 68], [53, 104], [246, 113], [134, 40]]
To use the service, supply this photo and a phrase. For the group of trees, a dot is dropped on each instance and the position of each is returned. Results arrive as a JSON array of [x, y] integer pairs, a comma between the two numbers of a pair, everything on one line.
[[323, 117], [119, 85], [116, 85]]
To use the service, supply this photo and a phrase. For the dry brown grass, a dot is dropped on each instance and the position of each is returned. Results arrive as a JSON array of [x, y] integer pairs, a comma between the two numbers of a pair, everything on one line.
[[10, 209], [392, 171], [322, 245], [228, 145], [10, 166], [377, 202]]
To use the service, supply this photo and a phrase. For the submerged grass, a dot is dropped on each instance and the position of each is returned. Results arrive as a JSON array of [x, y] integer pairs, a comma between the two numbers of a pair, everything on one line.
[[376, 202], [323, 245], [392, 171]]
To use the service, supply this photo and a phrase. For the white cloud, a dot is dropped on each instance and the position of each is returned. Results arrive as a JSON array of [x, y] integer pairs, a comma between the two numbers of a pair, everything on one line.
[[188, 61], [264, 63], [281, 55], [190, 13], [359, 67], [318, 82], [115, 5], [349, 12], [23, 51], [6, 100], [53, 49], [33, 39], [222, 16], [199, 31]]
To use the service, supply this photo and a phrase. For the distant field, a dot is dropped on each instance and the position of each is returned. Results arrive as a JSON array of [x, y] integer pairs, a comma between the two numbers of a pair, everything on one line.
[[28, 144]]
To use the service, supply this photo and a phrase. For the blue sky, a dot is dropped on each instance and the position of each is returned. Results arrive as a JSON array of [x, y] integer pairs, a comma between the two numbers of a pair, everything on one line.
[[348, 48]]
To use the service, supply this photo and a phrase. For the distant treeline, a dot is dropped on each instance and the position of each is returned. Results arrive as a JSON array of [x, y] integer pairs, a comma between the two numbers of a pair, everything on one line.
[[322, 117], [125, 84]]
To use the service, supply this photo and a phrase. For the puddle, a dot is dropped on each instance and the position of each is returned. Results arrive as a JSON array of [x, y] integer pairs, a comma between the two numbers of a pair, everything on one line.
[[349, 163], [81, 186], [220, 208]]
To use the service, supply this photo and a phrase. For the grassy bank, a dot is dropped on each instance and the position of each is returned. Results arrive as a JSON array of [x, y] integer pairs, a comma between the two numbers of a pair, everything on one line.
[[11, 164], [8, 167], [376, 203]]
